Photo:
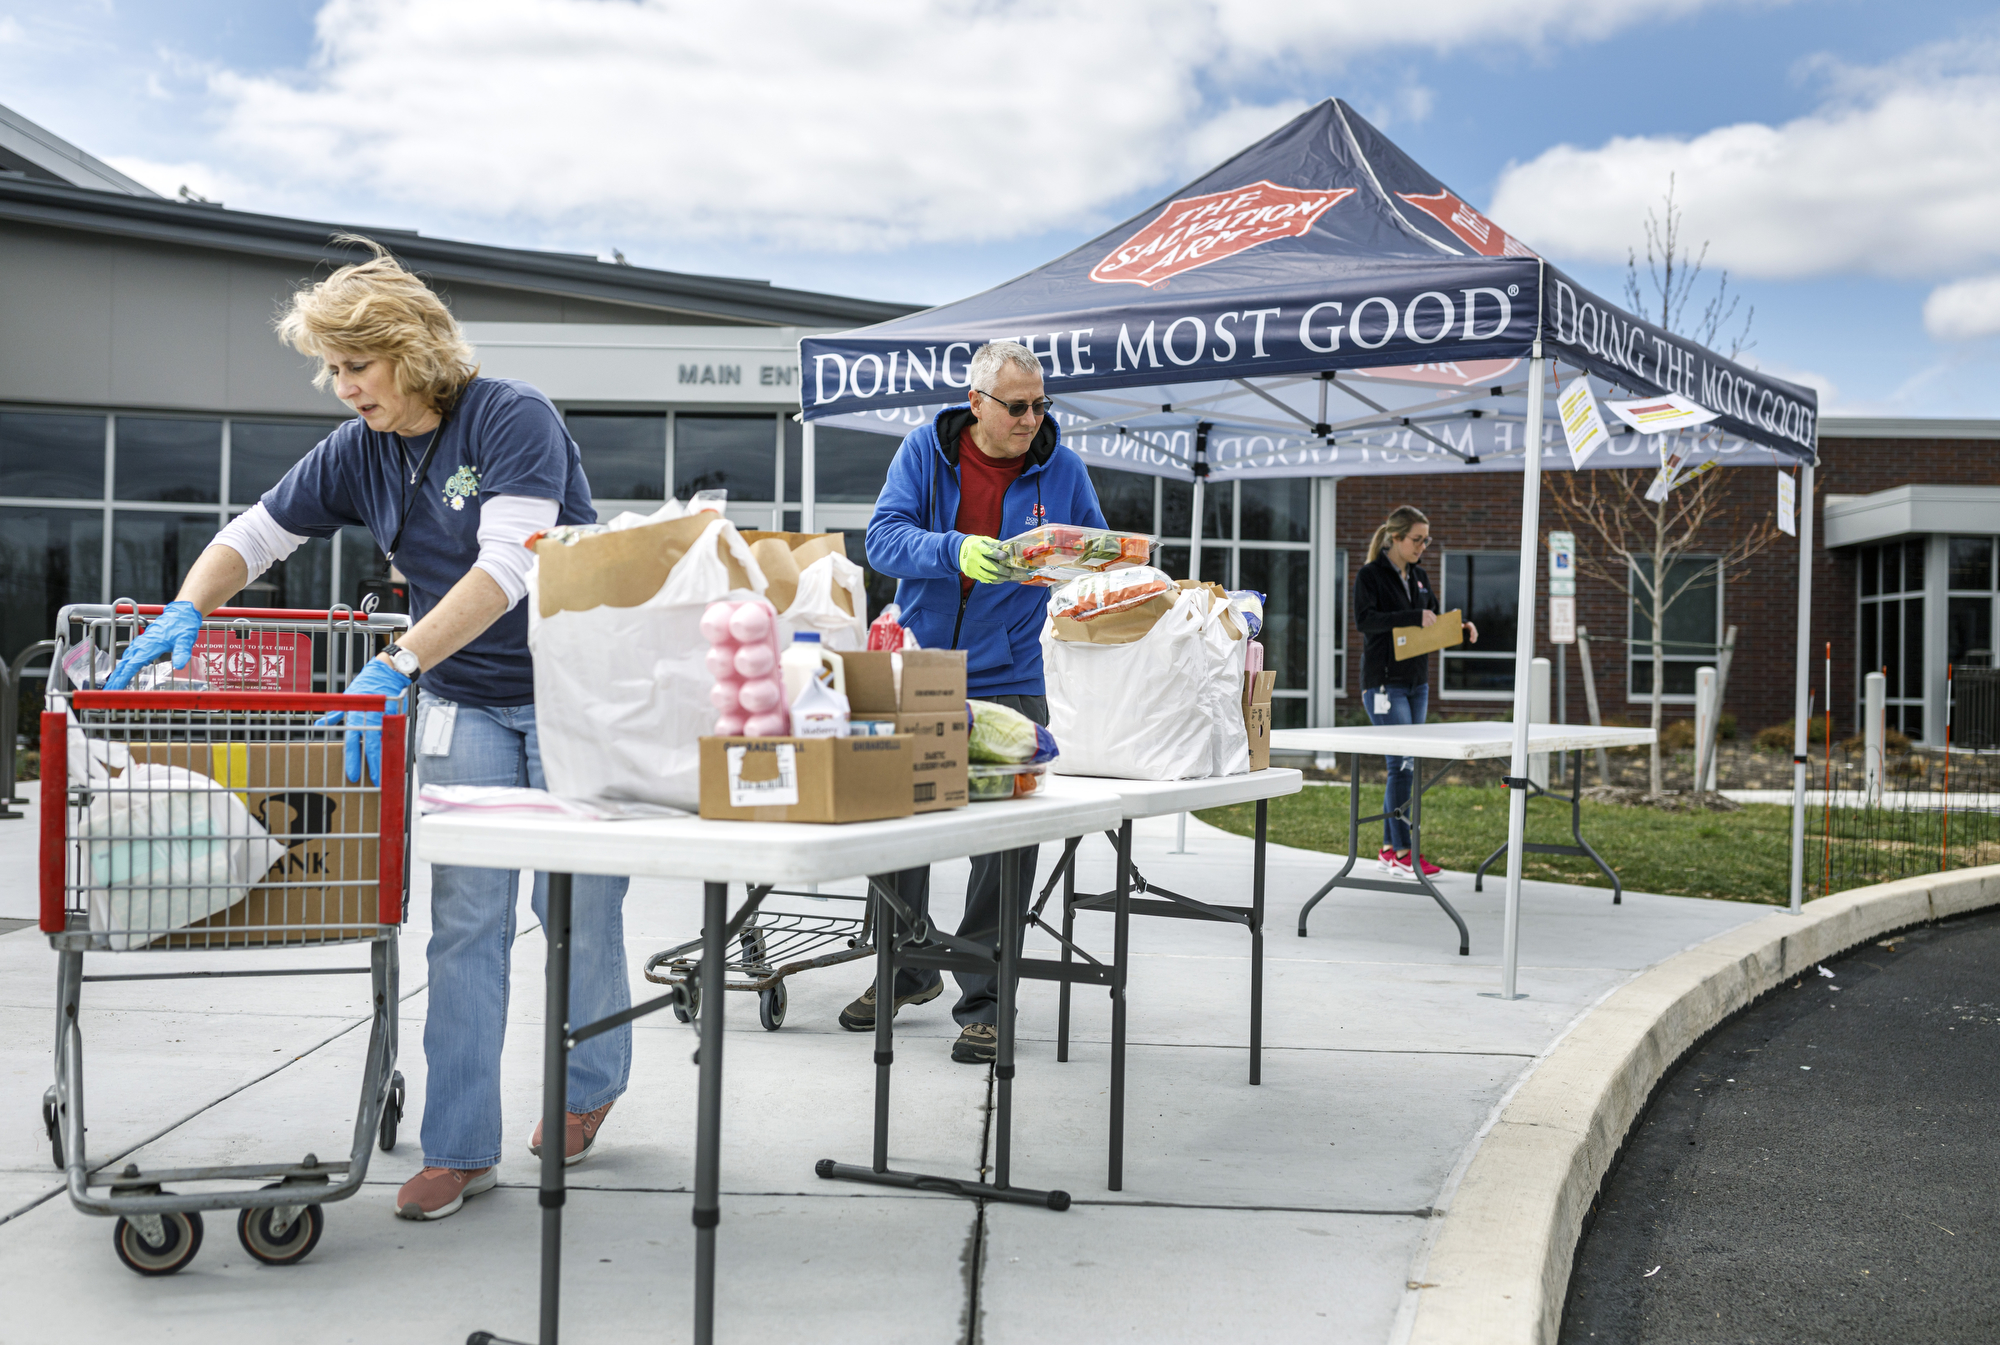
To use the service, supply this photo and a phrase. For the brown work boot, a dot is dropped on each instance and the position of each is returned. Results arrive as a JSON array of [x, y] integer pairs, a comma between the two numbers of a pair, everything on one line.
[[579, 1134], [859, 1016], [436, 1193], [977, 1044]]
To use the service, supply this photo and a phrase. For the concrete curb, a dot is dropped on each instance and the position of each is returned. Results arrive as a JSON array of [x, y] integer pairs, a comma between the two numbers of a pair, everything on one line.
[[1499, 1268]]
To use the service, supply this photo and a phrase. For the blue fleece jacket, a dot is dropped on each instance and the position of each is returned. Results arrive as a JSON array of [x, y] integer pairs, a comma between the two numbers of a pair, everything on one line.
[[912, 538]]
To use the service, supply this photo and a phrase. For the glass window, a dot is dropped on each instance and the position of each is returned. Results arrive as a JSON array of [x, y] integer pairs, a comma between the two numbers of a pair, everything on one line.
[[1484, 585], [1972, 563], [849, 465], [1218, 512], [1172, 559], [48, 557], [1869, 563], [624, 456], [261, 452], [1276, 510], [733, 453], [1289, 712], [1125, 497], [176, 461], [52, 456], [152, 553], [1690, 628], [1285, 580], [303, 579], [1969, 632], [1176, 507]]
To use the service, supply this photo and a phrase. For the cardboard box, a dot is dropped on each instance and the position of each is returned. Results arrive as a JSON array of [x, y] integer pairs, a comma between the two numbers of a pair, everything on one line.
[[806, 779], [1443, 633], [328, 884], [931, 708], [1257, 688]]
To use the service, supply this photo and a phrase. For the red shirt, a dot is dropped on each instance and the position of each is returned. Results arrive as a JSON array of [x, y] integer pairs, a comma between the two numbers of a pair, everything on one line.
[[982, 492]]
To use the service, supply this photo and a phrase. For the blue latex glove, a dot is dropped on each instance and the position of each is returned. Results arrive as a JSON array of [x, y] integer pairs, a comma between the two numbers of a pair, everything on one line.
[[364, 727], [170, 634]]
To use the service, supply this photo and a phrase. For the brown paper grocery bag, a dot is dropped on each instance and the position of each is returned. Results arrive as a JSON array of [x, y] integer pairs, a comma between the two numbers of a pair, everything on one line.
[[783, 556], [624, 569]]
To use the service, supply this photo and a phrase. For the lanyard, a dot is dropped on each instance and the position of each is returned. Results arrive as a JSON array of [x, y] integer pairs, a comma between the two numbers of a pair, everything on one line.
[[410, 492]]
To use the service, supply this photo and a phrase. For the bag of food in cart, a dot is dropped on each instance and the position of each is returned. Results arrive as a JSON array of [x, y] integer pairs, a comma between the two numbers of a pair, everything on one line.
[[160, 848], [621, 675], [1152, 692]]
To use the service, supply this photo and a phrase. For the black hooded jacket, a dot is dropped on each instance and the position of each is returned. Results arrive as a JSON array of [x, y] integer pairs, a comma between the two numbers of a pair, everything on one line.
[[1384, 600]]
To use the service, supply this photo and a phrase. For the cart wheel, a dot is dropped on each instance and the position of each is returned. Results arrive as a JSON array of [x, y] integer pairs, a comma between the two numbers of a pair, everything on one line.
[[754, 951], [255, 1230], [693, 1009], [52, 1122], [180, 1236], [392, 1112], [771, 1007]]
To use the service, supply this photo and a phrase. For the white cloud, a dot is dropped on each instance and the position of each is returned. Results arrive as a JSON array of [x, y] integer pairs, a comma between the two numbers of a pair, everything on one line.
[[1964, 309], [1898, 174], [812, 124]]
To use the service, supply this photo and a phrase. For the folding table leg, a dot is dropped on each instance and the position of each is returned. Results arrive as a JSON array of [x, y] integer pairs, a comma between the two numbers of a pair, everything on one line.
[[1353, 844], [888, 929], [1003, 1059], [1257, 949], [1068, 935], [708, 1125], [1120, 947]]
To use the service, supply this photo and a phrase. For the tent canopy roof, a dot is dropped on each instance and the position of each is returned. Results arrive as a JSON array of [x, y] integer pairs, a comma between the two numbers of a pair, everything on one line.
[[1318, 305]]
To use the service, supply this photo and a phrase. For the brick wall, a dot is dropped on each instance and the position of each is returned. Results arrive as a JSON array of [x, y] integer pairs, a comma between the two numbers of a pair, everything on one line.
[[1483, 513]]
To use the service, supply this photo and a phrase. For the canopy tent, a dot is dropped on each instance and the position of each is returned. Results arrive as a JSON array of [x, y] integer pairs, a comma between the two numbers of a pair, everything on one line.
[[1319, 305]]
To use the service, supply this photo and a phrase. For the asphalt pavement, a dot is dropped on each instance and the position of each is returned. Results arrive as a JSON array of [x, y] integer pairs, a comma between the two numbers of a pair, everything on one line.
[[1822, 1168]]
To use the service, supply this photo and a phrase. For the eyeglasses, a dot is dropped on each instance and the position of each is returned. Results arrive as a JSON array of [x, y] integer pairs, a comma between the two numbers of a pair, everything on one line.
[[1039, 407], [1419, 542]]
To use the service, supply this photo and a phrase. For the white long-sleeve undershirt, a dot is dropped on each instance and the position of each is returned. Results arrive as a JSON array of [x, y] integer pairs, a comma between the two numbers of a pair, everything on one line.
[[505, 522]]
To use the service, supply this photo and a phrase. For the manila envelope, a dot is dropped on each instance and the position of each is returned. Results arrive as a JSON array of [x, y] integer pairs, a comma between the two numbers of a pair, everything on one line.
[[1443, 633]]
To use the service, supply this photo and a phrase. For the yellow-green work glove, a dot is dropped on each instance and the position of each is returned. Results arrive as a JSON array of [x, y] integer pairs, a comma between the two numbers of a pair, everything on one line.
[[981, 558]]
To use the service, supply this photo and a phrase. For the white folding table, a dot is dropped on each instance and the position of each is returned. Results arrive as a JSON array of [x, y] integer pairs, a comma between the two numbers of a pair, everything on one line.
[[1451, 744], [761, 855], [1158, 798]]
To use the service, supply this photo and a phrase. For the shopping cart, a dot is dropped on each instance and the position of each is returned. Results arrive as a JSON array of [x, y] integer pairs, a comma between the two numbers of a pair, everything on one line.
[[216, 820], [777, 944]]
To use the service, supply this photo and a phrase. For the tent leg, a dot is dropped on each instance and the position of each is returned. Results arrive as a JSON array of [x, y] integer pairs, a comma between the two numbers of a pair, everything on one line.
[[1524, 655], [1801, 689], [807, 481]]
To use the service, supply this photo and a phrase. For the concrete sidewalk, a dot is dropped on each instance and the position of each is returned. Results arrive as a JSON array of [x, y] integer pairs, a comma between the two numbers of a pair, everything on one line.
[[1289, 1211]]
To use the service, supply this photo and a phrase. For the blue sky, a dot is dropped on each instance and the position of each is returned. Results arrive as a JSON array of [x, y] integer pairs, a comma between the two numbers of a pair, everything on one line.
[[1841, 158]]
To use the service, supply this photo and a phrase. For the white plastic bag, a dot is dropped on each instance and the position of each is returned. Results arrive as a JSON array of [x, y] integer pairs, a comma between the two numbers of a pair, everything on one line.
[[621, 693], [1166, 706], [160, 848], [816, 609]]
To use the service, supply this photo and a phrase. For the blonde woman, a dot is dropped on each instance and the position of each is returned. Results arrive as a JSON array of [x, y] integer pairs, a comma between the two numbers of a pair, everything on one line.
[[1392, 590], [451, 472]]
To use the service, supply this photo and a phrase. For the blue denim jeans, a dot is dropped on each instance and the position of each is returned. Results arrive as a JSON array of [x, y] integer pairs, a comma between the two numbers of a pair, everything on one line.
[[472, 937], [1407, 705]]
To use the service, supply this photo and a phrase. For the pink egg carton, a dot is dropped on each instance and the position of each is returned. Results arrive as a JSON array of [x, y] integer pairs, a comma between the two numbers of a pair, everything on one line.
[[749, 691]]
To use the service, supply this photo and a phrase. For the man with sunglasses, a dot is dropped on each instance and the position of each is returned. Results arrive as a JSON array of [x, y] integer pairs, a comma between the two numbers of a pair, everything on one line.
[[990, 469]]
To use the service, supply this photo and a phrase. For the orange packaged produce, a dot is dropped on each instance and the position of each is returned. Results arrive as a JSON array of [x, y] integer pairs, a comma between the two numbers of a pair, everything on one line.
[[1099, 594], [1057, 553]]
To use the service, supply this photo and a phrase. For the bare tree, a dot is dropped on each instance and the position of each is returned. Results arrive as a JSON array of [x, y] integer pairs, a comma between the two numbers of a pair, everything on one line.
[[1641, 542]]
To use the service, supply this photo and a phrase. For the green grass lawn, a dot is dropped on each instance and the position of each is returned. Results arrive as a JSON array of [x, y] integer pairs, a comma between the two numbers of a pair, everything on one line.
[[1739, 856]]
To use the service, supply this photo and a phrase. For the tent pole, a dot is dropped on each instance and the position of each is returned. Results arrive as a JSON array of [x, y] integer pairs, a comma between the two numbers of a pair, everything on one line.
[[808, 475], [1801, 726], [1524, 655]]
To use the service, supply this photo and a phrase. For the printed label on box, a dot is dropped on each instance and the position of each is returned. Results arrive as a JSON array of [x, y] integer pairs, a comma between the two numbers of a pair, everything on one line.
[[763, 777]]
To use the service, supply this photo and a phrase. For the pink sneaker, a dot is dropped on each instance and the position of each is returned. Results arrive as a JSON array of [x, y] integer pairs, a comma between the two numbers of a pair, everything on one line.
[[579, 1134], [1386, 861], [1397, 865], [435, 1193], [1430, 869]]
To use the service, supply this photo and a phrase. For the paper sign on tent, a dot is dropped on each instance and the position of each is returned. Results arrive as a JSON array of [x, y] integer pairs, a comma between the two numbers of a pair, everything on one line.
[[1582, 426], [1657, 415], [1788, 504]]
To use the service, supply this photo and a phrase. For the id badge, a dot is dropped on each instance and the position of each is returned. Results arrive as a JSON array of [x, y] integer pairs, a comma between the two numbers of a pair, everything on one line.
[[1381, 702], [440, 718]]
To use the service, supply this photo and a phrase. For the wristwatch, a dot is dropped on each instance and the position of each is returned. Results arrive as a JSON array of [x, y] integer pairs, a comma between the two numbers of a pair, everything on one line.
[[402, 660]]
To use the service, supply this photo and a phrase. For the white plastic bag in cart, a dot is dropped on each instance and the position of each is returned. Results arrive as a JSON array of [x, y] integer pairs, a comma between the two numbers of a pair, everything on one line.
[[621, 679], [1153, 693], [160, 848]]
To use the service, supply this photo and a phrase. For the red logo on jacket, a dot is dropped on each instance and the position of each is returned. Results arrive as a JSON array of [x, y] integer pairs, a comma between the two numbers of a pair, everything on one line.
[[1202, 229]]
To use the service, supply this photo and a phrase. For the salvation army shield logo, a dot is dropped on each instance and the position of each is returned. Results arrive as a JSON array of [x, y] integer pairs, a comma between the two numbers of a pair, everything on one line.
[[1473, 229], [1201, 229]]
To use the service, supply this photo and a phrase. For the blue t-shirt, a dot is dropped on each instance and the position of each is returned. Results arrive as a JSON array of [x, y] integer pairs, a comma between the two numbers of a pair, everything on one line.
[[503, 438]]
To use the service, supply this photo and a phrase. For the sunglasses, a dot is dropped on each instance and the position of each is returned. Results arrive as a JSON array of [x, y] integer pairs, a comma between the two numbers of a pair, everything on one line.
[[1039, 407]]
